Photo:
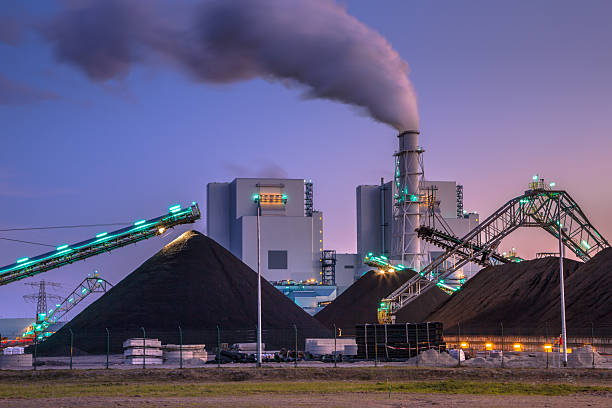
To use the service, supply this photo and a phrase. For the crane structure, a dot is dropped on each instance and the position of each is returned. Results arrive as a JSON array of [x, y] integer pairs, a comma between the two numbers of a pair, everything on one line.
[[42, 327], [42, 296], [102, 242], [540, 206]]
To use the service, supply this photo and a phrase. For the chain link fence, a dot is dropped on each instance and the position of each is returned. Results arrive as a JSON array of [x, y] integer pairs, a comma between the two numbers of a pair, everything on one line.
[[486, 346]]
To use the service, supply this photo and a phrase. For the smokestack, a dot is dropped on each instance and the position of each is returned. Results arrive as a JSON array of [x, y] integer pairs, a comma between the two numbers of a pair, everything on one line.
[[406, 217]]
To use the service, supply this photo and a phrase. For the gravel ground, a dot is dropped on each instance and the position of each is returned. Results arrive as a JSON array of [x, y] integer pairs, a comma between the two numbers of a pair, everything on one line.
[[337, 400]]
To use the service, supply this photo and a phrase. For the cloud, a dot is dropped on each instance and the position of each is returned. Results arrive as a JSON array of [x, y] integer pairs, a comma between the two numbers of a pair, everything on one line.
[[14, 93], [314, 45], [11, 30]]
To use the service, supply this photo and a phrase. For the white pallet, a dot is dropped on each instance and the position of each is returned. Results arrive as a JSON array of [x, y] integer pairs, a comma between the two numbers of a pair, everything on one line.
[[139, 351], [138, 342], [149, 360], [191, 347]]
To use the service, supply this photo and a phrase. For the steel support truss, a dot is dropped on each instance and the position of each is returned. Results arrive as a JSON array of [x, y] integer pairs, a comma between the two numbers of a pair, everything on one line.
[[104, 242], [89, 285], [540, 208]]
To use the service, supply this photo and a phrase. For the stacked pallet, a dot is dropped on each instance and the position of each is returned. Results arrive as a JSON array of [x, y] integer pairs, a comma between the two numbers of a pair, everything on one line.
[[191, 353], [139, 351], [324, 347], [401, 341]]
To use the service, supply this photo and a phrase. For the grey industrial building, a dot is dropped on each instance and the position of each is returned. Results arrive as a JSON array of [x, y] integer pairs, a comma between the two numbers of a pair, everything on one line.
[[375, 219], [292, 245], [291, 231]]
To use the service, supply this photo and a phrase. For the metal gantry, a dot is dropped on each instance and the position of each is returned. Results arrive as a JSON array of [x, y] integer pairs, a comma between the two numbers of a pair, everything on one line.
[[540, 206], [42, 327], [103, 242], [89, 285]]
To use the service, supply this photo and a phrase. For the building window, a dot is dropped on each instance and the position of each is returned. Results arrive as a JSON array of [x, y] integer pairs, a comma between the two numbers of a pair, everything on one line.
[[277, 259]]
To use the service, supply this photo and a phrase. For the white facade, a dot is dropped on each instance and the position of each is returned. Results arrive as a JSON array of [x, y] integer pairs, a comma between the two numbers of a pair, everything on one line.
[[291, 242]]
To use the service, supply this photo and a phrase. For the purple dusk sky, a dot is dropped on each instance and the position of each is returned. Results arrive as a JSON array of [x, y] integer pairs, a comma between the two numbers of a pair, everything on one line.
[[505, 89]]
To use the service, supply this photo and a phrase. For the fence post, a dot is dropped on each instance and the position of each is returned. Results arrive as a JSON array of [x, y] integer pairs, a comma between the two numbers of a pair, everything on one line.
[[180, 346], [375, 346], [593, 342], [107, 346], [416, 327], [365, 336], [35, 349], [335, 352], [296, 345], [502, 345], [144, 348], [218, 347], [71, 343], [546, 342], [458, 345]]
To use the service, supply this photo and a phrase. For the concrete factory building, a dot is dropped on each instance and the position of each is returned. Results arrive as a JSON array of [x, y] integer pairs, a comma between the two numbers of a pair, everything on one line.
[[291, 231], [375, 220]]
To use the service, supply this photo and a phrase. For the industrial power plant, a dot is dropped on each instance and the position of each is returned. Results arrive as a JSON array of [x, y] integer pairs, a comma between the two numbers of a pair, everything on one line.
[[206, 241]]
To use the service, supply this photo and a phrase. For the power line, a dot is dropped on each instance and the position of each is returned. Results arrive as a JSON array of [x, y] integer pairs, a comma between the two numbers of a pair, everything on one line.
[[64, 227], [27, 242]]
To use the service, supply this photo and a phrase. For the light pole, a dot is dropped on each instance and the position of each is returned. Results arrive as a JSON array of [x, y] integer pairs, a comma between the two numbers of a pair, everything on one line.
[[258, 287], [561, 254]]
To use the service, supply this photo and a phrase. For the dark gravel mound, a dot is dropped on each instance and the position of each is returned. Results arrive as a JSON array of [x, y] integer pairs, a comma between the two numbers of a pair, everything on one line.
[[359, 303], [588, 292], [525, 297], [194, 282]]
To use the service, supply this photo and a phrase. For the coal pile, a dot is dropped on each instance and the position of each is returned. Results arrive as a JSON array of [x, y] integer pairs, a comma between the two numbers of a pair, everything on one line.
[[525, 297], [197, 284], [359, 303]]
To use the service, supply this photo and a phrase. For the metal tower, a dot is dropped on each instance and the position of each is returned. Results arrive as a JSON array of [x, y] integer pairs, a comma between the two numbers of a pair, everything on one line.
[[406, 196], [41, 297], [328, 267], [308, 199]]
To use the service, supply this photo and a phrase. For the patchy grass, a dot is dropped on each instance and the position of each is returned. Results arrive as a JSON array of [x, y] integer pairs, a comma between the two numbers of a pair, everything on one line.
[[183, 389]]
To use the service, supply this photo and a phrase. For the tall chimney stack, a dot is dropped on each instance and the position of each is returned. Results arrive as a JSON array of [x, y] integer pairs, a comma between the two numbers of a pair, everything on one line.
[[406, 212]]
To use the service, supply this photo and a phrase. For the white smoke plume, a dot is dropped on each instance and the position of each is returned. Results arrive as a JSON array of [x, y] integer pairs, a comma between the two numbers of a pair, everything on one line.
[[313, 43]]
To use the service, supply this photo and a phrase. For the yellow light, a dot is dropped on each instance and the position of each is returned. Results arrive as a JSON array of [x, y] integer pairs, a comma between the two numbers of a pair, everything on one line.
[[489, 346], [391, 270], [517, 346], [548, 348], [464, 345], [161, 230]]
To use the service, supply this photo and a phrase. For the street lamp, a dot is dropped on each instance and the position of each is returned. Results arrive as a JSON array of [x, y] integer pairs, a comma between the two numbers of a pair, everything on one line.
[[258, 287], [561, 255]]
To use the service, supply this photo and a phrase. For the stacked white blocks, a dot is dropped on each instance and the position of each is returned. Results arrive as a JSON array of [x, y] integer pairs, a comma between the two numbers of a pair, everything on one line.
[[136, 350], [322, 347]]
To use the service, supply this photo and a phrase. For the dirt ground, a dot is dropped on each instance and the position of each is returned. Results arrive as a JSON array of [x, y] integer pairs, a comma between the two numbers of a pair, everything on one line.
[[40, 381], [337, 400]]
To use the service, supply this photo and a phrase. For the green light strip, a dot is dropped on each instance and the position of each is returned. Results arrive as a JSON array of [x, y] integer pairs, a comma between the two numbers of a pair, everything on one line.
[[103, 238]]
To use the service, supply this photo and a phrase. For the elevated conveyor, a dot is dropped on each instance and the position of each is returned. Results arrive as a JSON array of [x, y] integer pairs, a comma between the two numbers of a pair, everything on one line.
[[555, 211], [103, 242], [43, 326]]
